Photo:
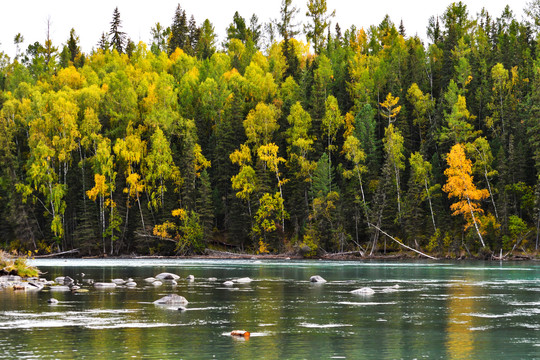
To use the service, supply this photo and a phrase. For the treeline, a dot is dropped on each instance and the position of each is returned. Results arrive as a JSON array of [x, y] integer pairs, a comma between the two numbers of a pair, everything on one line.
[[261, 145]]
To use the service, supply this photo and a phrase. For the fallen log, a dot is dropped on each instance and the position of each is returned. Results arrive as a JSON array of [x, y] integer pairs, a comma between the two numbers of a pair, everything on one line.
[[358, 252], [74, 251], [400, 243]]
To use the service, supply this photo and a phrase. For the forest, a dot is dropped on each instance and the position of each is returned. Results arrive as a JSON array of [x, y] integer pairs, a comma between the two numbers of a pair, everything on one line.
[[357, 140]]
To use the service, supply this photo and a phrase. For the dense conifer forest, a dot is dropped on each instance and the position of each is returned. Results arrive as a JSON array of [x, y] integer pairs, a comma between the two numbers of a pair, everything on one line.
[[268, 144]]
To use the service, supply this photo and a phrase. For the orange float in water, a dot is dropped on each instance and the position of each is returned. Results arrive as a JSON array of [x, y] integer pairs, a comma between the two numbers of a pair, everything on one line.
[[242, 333]]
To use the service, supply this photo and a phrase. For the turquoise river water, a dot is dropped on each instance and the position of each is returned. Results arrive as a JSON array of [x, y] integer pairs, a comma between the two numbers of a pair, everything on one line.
[[419, 310]]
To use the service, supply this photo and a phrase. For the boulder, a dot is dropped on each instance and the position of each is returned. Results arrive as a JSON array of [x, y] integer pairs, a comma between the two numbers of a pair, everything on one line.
[[59, 279], [68, 281], [167, 276], [317, 279], [172, 299], [34, 286], [364, 291]]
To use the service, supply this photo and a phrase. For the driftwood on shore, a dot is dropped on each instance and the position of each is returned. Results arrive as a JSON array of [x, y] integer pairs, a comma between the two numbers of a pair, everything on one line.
[[74, 251]]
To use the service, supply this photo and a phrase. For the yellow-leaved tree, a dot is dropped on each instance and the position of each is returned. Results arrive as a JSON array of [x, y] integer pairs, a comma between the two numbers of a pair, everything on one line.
[[460, 185]]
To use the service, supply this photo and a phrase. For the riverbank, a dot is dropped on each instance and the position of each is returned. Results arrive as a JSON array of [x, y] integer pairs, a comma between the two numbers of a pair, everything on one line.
[[347, 256]]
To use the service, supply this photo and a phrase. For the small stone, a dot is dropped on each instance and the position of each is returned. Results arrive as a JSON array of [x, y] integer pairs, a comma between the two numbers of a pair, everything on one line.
[[52, 301], [190, 278], [150, 280], [212, 279], [228, 283], [131, 284], [75, 288], [118, 281], [157, 283], [317, 279]]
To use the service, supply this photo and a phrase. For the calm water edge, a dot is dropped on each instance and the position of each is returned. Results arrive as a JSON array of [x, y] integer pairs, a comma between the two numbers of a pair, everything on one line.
[[419, 310]]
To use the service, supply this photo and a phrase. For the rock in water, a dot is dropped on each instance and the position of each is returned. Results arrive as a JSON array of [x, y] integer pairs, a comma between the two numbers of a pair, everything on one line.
[[364, 291], [244, 280], [228, 283], [52, 301], [118, 281], [167, 276], [212, 279], [157, 283], [242, 333], [190, 278], [150, 280], [59, 279], [182, 308], [172, 299], [131, 284], [317, 279], [68, 281]]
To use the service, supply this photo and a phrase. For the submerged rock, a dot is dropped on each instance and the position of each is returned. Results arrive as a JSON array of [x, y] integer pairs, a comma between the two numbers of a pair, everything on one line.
[[317, 279], [172, 299], [104, 285], [244, 280], [167, 276], [364, 291], [59, 288], [212, 279]]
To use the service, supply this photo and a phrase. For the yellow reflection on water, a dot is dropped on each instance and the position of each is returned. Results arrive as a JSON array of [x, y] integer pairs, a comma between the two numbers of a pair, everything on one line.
[[460, 337]]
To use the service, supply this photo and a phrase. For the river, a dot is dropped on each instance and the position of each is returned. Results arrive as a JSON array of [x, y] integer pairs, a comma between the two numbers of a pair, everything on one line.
[[420, 309]]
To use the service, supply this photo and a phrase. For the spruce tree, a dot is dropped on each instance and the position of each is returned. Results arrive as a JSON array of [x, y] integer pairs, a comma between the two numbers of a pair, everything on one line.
[[118, 38], [179, 30]]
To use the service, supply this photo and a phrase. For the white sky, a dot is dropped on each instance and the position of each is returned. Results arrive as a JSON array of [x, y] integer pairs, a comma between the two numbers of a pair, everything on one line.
[[91, 18]]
